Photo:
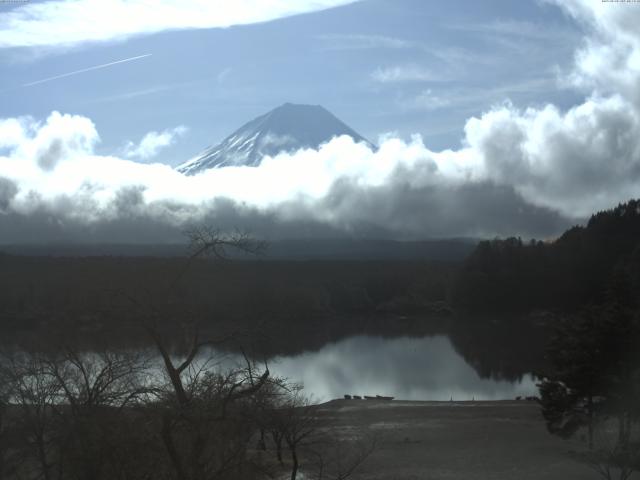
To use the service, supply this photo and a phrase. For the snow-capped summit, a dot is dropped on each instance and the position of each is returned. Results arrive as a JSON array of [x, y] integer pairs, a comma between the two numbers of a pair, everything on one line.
[[288, 128]]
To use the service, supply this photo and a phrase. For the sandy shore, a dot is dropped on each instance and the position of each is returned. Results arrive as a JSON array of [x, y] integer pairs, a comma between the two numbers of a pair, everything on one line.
[[459, 440]]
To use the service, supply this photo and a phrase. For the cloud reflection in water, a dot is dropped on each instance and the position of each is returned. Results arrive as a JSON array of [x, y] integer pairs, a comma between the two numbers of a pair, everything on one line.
[[407, 368]]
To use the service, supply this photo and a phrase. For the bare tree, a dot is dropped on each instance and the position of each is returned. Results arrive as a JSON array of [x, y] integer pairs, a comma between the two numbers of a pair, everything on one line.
[[98, 379], [4, 427], [340, 459], [96, 388], [202, 410], [295, 420], [208, 241], [36, 396], [204, 426], [67, 410], [613, 457]]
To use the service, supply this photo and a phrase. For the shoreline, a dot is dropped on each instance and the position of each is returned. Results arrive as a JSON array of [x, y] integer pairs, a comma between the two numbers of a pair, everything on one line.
[[483, 440]]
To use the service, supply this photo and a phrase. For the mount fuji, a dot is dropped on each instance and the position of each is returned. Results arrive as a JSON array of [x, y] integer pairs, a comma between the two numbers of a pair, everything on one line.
[[287, 128]]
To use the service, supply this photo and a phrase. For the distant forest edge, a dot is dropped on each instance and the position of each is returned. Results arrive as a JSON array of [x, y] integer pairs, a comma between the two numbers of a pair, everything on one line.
[[448, 250], [514, 276], [316, 301]]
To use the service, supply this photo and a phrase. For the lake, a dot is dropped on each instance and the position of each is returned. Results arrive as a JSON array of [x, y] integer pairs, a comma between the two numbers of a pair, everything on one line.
[[407, 368]]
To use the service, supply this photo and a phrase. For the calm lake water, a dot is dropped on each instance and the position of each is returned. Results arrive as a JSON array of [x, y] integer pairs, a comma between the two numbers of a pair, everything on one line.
[[406, 368]]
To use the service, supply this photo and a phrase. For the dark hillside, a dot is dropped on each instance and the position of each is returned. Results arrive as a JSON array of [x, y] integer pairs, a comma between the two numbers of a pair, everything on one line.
[[515, 276]]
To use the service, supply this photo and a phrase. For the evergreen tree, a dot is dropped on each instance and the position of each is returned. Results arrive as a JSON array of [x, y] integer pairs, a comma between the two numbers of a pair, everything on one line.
[[595, 376], [572, 392]]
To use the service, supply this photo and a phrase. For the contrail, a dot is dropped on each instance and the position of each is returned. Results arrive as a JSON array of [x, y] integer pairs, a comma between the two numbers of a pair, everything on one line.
[[96, 67]]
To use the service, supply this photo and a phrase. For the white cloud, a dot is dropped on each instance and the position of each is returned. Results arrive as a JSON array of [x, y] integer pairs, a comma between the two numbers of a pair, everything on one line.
[[272, 140], [69, 22], [153, 142], [474, 98], [354, 41], [309, 173], [516, 28], [609, 60], [61, 137], [427, 100], [11, 132], [407, 73], [579, 161]]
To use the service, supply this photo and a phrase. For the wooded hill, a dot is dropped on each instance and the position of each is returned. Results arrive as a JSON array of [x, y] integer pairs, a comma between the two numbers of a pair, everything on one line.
[[511, 275]]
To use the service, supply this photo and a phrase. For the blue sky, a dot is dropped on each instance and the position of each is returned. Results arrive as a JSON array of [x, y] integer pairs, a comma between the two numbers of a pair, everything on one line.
[[402, 66], [493, 117]]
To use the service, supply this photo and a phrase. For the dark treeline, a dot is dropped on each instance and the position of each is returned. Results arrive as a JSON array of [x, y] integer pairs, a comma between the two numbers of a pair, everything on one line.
[[515, 276], [297, 305], [362, 249]]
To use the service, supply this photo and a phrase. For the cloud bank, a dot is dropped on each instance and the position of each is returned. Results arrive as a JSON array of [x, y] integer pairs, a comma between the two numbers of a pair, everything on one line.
[[70, 22], [54, 186], [520, 171]]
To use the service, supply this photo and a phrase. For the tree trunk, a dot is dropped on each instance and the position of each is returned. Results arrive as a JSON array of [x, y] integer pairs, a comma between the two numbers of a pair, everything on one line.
[[42, 454], [590, 426], [2, 434], [198, 445], [174, 456], [621, 428], [277, 439], [294, 466], [262, 444]]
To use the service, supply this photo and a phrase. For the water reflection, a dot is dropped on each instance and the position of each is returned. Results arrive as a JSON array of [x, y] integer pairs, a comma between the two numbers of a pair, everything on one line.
[[407, 368], [426, 368]]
